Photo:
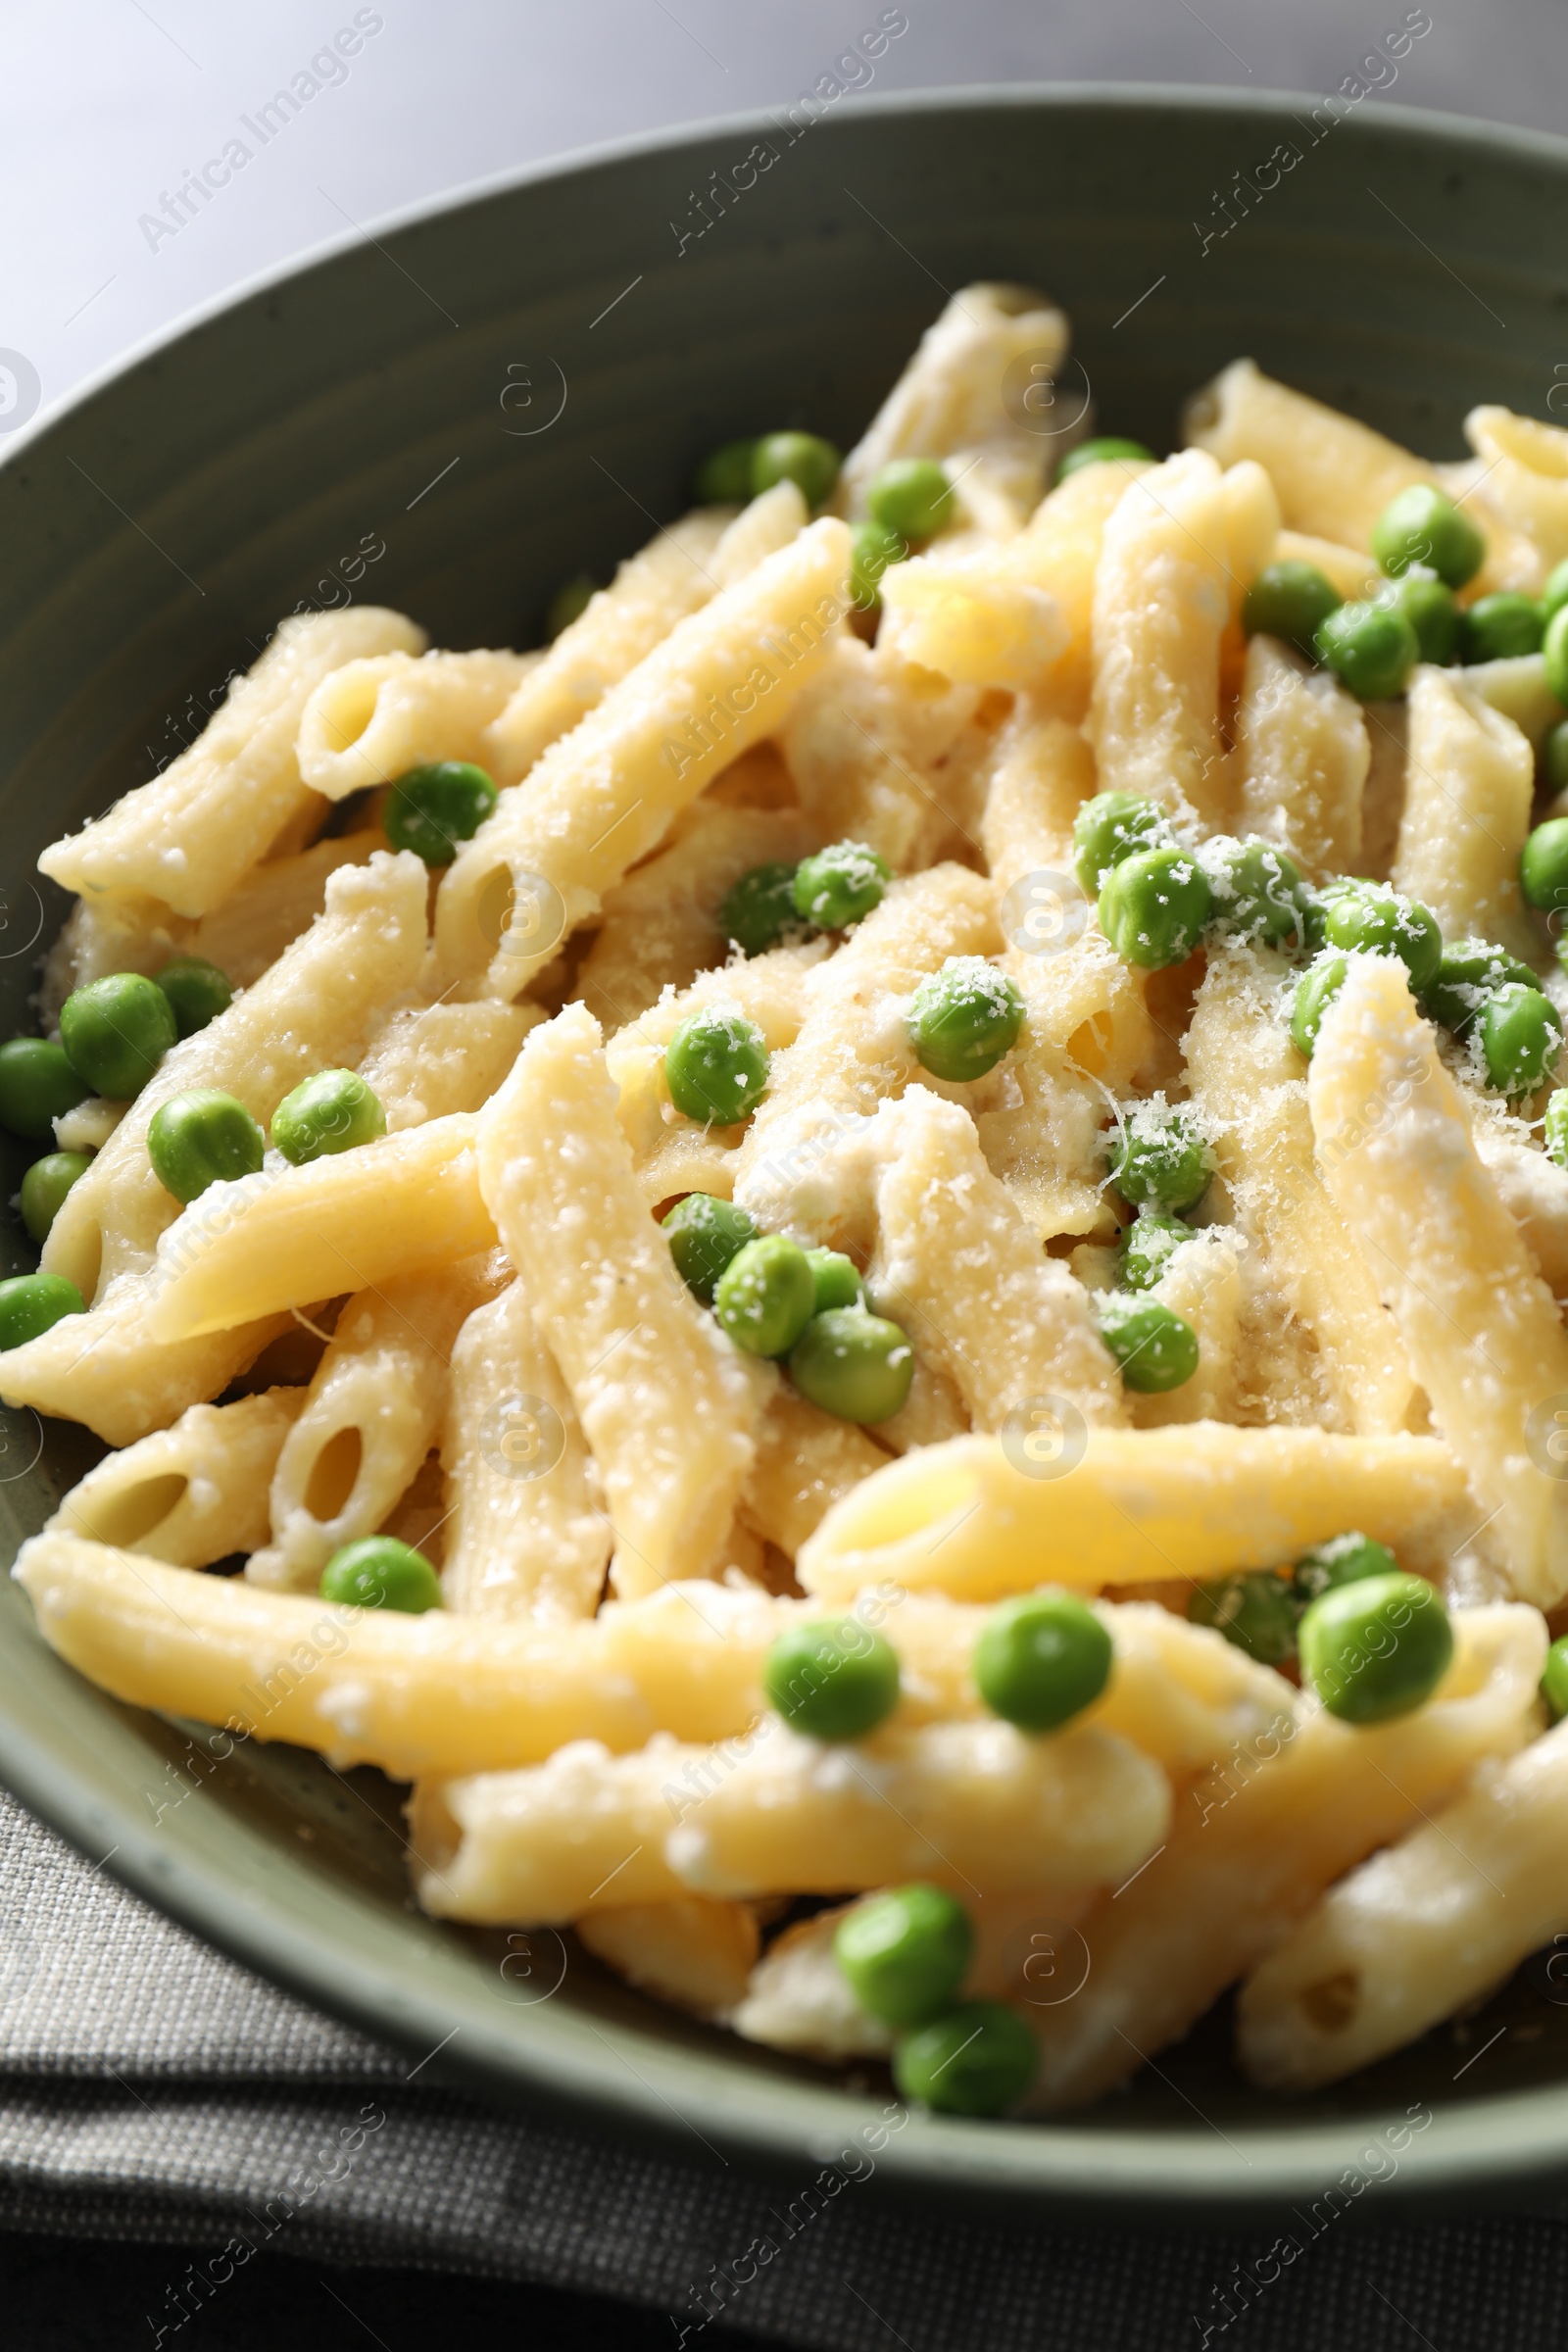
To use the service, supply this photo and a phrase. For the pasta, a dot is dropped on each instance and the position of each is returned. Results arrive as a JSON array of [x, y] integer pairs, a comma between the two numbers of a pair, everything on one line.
[[868, 1262]]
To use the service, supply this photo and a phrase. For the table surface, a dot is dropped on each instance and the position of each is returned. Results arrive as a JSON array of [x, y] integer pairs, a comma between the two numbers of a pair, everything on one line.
[[108, 106]]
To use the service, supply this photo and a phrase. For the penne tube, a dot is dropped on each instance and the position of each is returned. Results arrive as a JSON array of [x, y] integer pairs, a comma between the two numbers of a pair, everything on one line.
[[190, 1494], [351, 1222], [973, 1805], [1301, 760], [1349, 570], [1056, 1504], [696, 1953], [1420, 1932], [665, 1401], [953, 395], [960, 1268], [369, 723], [1481, 1327], [374, 1410], [1201, 1282], [1250, 1851], [662, 925], [1246, 1078], [313, 1010], [1333, 475], [430, 1061], [1526, 480], [1163, 593], [1517, 687], [606, 795], [445, 1694], [190, 835], [969, 614], [526, 1535], [675, 574], [108, 1370], [1470, 776]]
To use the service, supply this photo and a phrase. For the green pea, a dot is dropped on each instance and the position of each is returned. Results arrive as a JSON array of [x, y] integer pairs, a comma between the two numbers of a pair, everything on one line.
[[431, 809], [1554, 1678], [1543, 866], [1555, 756], [1258, 1611], [963, 1018], [380, 1573], [725, 477], [1467, 975], [1313, 917], [1153, 907], [1256, 889], [45, 1185], [1371, 648], [716, 1066], [804, 459], [1041, 1659], [1555, 595], [1342, 1560], [912, 496], [37, 1085], [832, 1679], [197, 989], [840, 885], [1314, 993], [1497, 628], [1147, 1249], [1422, 526], [1110, 449], [202, 1138], [1556, 1127], [1554, 646], [977, 2059], [1429, 607], [905, 1952], [1110, 828], [1380, 922], [1521, 1035], [705, 1234], [767, 1295], [1374, 1649], [1162, 1159], [759, 911], [32, 1304], [872, 548], [853, 1365], [333, 1111], [1155, 1348], [837, 1279], [568, 604], [116, 1031], [1289, 600]]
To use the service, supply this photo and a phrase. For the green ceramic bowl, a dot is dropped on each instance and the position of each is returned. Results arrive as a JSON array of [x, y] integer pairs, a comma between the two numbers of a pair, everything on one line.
[[493, 394]]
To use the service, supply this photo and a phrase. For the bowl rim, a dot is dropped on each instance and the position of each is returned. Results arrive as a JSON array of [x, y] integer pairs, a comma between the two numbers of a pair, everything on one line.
[[1043, 2170]]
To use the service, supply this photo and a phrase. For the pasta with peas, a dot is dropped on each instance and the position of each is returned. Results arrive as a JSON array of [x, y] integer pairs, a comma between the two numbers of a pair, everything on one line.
[[865, 1260]]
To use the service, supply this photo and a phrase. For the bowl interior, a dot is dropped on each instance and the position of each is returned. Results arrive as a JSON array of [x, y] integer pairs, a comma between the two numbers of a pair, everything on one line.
[[453, 418]]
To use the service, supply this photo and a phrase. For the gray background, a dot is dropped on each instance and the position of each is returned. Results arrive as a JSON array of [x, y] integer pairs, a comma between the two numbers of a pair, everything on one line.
[[105, 105]]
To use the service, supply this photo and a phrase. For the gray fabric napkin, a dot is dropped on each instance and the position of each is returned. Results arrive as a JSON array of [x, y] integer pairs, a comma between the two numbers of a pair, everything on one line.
[[152, 2089]]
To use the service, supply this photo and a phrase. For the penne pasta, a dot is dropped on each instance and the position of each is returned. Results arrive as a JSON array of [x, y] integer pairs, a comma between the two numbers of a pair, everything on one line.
[[980, 1517], [190, 836], [526, 1535], [369, 721], [665, 1400], [1469, 780], [190, 1494], [1301, 760], [1481, 1330], [1333, 475], [973, 1805], [606, 795]]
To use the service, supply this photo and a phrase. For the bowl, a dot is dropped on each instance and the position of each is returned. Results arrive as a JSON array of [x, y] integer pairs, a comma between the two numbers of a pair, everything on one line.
[[457, 413]]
